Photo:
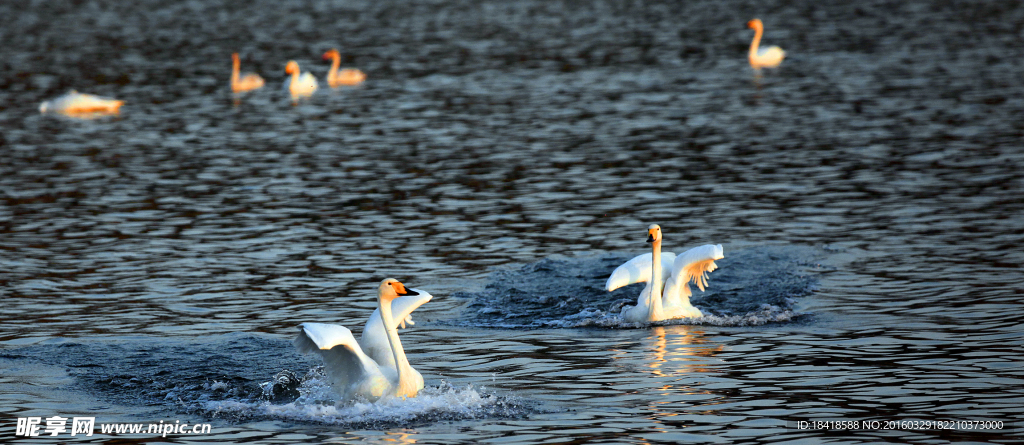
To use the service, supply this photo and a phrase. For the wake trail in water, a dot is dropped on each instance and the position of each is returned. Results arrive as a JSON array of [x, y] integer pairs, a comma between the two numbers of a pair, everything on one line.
[[752, 286]]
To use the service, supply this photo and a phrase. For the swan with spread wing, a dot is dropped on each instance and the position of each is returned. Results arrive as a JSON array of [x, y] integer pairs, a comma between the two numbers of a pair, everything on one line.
[[375, 366], [665, 299]]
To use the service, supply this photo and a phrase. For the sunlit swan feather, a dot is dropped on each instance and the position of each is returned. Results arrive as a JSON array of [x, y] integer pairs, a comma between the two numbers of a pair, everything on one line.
[[74, 103], [299, 84], [347, 76], [354, 373], [374, 340], [660, 301], [769, 57], [248, 82]]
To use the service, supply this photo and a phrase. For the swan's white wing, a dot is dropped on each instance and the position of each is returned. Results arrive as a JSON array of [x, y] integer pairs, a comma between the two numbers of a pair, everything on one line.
[[375, 339], [638, 270], [350, 370], [693, 265]]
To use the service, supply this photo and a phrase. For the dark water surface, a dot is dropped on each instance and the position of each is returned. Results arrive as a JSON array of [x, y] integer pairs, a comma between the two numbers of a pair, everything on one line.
[[504, 156]]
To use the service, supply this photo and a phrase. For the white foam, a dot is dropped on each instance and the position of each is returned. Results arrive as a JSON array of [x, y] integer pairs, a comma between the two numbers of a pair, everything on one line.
[[765, 315], [317, 403]]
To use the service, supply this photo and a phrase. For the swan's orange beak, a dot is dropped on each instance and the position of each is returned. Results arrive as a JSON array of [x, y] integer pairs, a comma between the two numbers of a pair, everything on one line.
[[399, 288], [331, 54], [750, 24]]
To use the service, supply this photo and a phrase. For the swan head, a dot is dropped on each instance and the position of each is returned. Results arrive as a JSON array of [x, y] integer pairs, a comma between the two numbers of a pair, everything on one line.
[[332, 54], [391, 288], [755, 24], [234, 57], [292, 67], [653, 233]]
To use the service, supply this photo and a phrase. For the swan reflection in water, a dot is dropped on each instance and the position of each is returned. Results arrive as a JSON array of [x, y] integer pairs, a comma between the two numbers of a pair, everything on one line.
[[395, 437], [678, 359], [675, 350]]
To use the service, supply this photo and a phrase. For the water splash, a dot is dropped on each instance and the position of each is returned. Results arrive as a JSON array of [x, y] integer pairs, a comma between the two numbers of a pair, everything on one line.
[[317, 404], [240, 377], [752, 287]]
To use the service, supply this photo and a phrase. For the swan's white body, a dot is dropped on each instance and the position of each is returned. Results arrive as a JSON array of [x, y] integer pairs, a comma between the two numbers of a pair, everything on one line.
[[769, 57], [299, 84], [79, 103], [379, 371], [663, 300]]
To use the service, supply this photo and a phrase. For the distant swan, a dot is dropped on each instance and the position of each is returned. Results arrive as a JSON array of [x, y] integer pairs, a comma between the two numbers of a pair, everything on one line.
[[354, 373], [346, 76], [654, 303], [248, 82], [75, 103], [769, 57], [300, 84]]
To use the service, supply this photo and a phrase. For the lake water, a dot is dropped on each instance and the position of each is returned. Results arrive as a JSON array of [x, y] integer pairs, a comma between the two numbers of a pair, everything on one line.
[[505, 157]]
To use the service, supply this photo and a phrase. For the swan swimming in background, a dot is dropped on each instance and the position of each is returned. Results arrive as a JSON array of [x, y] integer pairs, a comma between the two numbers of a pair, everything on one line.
[[248, 82], [346, 76], [769, 57], [658, 302], [300, 84], [75, 103], [353, 372]]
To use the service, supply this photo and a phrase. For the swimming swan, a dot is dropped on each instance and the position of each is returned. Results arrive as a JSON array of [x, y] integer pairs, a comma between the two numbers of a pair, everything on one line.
[[248, 82], [656, 303], [300, 84], [352, 372], [346, 76], [75, 103], [769, 57], [374, 340]]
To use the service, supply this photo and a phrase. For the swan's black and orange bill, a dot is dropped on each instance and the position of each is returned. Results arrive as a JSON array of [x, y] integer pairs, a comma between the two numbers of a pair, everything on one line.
[[400, 289]]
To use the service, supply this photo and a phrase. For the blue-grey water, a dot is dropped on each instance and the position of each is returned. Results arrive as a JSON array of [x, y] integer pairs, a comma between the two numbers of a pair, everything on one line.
[[505, 157]]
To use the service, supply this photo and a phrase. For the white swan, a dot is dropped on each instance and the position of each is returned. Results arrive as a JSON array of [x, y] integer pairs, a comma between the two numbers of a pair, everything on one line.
[[769, 57], [656, 303], [75, 103], [354, 373], [300, 84], [375, 342], [347, 76], [241, 84]]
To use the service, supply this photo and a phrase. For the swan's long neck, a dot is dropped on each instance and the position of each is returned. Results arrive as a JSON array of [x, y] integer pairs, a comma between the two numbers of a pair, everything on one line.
[[406, 387], [654, 307], [758, 30], [335, 64], [295, 84], [235, 65]]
